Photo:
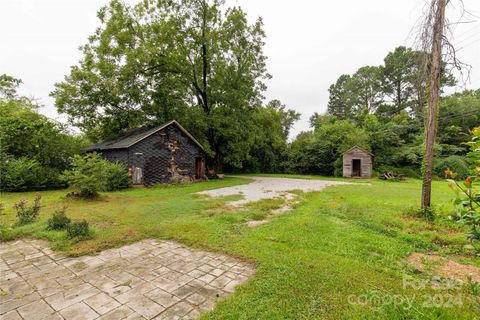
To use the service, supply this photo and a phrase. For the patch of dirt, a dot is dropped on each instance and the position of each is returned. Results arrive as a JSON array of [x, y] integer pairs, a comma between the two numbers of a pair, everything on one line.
[[287, 207], [79, 266], [255, 223], [415, 224], [444, 267]]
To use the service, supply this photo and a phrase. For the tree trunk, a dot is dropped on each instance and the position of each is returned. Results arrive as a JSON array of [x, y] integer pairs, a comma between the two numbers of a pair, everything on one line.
[[205, 60], [433, 100], [399, 97]]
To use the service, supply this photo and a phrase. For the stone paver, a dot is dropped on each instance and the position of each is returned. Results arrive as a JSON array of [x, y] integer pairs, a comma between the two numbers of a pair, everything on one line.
[[36, 310], [146, 280], [79, 311], [12, 315]]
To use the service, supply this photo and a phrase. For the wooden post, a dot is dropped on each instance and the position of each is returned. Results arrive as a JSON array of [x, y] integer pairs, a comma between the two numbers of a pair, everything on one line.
[[433, 100]]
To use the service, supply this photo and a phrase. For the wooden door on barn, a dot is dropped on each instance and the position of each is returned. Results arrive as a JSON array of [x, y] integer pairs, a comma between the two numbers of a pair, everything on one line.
[[199, 168], [138, 164]]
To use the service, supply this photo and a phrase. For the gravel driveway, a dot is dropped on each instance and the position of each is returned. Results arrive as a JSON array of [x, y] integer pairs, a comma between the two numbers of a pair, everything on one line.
[[269, 188]]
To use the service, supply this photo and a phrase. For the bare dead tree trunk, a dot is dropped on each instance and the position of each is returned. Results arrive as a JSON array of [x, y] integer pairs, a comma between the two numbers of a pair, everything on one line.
[[205, 66], [433, 99]]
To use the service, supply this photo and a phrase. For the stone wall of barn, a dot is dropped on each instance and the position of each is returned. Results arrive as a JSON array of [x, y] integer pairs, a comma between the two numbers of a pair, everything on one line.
[[166, 155], [357, 154]]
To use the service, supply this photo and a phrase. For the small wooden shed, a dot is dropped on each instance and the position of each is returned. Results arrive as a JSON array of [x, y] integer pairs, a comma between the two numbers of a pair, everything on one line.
[[357, 163]]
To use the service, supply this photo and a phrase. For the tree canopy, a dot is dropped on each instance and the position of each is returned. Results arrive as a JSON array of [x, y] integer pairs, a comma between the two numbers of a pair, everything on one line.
[[384, 90]]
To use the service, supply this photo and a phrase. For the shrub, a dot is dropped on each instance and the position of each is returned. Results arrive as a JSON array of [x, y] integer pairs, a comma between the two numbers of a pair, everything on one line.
[[117, 176], [18, 174], [27, 214], [456, 164], [467, 201], [26, 174], [90, 174], [87, 175], [79, 229], [59, 220], [338, 167]]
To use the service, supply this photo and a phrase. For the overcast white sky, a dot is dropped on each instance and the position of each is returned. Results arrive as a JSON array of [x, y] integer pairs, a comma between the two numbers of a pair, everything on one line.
[[309, 43]]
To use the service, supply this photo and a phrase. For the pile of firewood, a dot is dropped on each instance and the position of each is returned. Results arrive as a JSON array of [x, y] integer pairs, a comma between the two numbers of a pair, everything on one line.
[[392, 176]]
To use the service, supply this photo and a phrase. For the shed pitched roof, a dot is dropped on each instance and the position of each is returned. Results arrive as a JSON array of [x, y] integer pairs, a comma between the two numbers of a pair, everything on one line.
[[133, 136], [357, 147]]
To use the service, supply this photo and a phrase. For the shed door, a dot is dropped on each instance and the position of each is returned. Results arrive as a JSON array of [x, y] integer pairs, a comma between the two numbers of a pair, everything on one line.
[[356, 168]]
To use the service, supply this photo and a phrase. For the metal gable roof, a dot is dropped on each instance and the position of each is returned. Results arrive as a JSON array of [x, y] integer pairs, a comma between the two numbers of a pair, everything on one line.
[[131, 137]]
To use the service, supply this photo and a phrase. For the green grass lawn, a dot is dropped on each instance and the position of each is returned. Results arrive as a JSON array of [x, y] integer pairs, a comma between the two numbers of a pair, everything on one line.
[[336, 250]]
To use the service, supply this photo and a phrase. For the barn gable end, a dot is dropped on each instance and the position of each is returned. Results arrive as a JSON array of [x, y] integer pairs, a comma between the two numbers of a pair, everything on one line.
[[166, 155]]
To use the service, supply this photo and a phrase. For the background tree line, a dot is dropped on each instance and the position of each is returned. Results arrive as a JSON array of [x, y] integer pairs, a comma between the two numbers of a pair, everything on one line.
[[203, 64]]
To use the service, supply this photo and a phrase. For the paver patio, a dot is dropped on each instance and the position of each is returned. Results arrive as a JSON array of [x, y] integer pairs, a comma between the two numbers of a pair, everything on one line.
[[146, 280]]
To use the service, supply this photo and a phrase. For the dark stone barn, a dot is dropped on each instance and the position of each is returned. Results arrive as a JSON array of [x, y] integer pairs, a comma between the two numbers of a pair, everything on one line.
[[156, 155], [357, 163]]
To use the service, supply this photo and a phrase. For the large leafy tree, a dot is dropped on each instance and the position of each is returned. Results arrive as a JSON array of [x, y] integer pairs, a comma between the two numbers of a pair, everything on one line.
[[284, 117], [355, 96], [340, 101], [366, 89], [404, 82], [400, 76], [396, 143], [185, 59], [128, 75], [272, 129], [8, 86]]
